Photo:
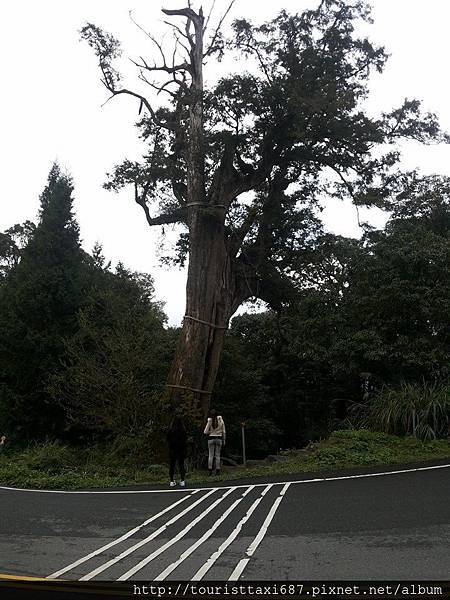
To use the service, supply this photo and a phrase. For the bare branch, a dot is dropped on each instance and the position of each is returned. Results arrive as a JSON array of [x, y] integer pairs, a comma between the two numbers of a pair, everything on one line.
[[181, 12], [238, 235], [211, 46], [180, 31], [347, 183], [260, 60], [147, 105], [180, 214], [164, 68], [110, 98], [163, 87], [185, 48], [130, 13], [349, 187], [158, 45], [157, 87], [209, 16]]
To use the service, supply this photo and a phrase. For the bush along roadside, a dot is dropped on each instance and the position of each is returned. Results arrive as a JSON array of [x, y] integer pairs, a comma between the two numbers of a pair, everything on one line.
[[55, 466]]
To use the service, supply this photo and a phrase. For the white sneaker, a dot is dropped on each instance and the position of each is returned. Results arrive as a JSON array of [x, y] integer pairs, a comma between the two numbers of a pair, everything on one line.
[[172, 484], [182, 483]]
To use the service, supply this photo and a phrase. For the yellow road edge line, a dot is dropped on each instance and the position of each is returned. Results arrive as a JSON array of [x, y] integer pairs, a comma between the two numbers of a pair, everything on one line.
[[10, 577]]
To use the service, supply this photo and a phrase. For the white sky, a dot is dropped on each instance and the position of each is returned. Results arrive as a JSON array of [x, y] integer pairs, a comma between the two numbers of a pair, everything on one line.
[[50, 108]]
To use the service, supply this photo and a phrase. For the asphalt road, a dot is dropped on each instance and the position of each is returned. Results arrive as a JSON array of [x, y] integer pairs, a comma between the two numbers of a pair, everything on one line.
[[392, 526]]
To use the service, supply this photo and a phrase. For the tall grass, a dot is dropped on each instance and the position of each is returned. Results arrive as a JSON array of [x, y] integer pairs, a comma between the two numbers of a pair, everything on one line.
[[421, 410]]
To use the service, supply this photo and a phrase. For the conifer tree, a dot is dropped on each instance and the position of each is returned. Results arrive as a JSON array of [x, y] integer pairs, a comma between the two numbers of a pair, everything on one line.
[[39, 302]]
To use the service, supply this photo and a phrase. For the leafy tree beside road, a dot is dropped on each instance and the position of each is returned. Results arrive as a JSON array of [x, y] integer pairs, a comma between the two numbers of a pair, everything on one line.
[[238, 164], [116, 361], [398, 299], [350, 314], [376, 307]]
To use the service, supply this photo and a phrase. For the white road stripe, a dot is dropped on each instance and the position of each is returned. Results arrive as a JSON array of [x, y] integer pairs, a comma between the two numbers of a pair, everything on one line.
[[204, 537], [121, 539], [212, 559], [259, 536], [182, 533], [155, 534], [224, 487]]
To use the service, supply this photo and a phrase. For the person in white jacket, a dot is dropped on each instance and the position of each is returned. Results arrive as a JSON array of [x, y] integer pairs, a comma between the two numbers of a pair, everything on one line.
[[215, 430]]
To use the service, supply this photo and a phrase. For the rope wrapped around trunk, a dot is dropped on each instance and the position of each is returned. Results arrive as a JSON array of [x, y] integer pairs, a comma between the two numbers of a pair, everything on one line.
[[185, 387], [205, 322]]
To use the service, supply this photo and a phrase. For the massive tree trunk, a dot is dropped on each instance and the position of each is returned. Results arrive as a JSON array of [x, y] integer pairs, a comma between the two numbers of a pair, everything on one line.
[[210, 302], [210, 289]]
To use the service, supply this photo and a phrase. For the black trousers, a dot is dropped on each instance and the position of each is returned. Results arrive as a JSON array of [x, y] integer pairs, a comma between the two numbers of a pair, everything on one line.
[[177, 455]]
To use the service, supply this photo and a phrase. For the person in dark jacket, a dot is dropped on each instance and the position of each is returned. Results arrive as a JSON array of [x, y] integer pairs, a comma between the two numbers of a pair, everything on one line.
[[177, 440]]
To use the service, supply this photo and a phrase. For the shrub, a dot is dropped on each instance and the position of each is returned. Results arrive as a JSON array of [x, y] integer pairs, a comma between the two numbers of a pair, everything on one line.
[[261, 437], [123, 453], [50, 457], [421, 410]]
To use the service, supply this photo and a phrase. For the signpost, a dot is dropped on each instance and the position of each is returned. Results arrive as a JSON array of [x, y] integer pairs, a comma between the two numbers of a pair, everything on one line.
[[244, 459]]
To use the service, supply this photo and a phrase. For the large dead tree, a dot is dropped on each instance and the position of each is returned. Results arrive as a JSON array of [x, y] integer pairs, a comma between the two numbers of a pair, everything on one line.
[[273, 132]]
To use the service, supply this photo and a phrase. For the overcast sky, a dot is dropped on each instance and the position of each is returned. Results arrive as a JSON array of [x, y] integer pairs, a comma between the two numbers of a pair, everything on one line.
[[51, 109]]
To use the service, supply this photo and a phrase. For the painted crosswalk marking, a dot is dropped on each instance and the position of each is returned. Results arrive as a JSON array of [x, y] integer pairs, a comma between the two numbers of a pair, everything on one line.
[[146, 540], [180, 535], [122, 538], [259, 536], [233, 535], [168, 570], [202, 569]]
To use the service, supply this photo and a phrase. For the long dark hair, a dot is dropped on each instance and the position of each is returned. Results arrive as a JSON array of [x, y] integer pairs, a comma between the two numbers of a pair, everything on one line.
[[213, 415], [177, 425]]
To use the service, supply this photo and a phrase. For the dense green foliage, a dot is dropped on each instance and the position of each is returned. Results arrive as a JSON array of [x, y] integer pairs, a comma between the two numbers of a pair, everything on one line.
[[369, 313], [421, 410], [83, 351], [85, 354], [117, 358], [39, 300], [398, 300]]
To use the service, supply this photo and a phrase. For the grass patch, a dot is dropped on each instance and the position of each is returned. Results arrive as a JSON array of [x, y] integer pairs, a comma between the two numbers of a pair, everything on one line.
[[52, 465]]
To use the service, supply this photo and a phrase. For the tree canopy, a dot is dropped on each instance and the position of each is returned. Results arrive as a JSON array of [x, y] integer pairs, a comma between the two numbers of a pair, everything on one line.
[[82, 347], [39, 300], [240, 163], [277, 130], [368, 313]]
